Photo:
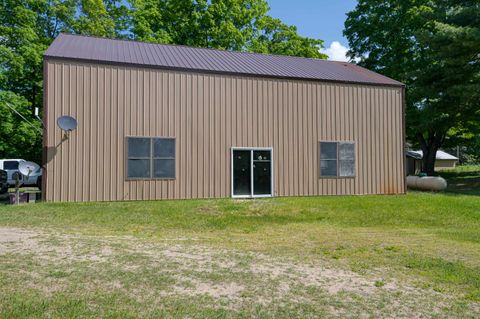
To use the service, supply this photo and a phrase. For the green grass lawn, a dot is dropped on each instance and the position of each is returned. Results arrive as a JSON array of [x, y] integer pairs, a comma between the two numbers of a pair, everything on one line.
[[408, 256]]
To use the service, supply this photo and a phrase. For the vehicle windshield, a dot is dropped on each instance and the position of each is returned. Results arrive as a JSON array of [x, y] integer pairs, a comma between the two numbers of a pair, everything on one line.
[[10, 165]]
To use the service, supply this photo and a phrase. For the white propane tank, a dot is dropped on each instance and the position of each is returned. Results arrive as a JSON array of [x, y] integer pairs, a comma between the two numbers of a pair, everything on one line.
[[427, 183], [412, 181]]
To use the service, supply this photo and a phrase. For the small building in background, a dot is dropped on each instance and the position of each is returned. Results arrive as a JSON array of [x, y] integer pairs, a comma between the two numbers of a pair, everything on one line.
[[443, 161], [169, 122]]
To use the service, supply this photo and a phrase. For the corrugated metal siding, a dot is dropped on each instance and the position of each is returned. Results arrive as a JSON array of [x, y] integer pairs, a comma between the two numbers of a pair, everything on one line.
[[209, 114]]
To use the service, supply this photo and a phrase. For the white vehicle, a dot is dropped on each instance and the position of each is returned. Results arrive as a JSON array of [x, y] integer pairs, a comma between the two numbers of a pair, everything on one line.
[[11, 167]]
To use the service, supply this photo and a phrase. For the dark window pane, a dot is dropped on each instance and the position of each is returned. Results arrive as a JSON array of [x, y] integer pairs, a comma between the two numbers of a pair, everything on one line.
[[164, 147], [346, 151], [10, 165], [138, 147], [164, 168], [262, 179], [328, 150], [328, 168], [138, 168], [261, 155], [241, 173], [347, 168]]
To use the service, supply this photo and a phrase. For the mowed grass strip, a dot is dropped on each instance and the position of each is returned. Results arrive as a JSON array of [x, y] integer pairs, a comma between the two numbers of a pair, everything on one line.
[[447, 216], [415, 210]]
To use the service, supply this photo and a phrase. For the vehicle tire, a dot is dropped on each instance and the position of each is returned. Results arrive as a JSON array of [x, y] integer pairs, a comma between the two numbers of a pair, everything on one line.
[[39, 182]]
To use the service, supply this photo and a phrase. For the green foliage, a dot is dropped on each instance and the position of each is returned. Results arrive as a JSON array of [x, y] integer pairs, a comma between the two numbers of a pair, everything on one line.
[[434, 48], [471, 151], [93, 19], [21, 49], [18, 139], [27, 27], [241, 25], [277, 38]]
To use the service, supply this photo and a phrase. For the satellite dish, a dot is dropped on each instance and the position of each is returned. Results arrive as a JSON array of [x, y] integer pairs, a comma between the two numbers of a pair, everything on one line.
[[67, 123], [27, 168]]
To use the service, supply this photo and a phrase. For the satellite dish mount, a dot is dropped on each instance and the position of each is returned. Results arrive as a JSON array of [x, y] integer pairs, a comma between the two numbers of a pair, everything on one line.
[[67, 124]]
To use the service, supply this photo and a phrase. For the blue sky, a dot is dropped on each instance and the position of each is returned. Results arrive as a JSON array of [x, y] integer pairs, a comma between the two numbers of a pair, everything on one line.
[[317, 19]]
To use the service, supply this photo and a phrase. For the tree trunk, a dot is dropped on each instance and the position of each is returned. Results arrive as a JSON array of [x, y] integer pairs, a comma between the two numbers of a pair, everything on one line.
[[430, 147], [428, 160]]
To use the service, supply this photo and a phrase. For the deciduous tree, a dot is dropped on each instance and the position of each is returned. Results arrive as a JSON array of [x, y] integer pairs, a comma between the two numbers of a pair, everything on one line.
[[434, 48], [241, 25]]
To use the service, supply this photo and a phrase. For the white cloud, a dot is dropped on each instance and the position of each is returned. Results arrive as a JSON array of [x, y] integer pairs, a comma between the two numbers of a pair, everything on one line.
[[336, 52]]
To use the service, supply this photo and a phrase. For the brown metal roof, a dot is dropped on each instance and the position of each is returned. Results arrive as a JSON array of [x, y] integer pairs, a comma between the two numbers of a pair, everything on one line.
[[94, 49]]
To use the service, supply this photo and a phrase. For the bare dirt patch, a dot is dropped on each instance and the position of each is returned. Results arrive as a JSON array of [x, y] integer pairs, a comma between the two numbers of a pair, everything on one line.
[[17, 239], [230, 290]]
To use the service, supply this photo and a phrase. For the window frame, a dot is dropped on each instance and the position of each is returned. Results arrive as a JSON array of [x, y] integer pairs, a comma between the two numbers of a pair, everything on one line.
[[252, 150], [151, 158], [337, 160]]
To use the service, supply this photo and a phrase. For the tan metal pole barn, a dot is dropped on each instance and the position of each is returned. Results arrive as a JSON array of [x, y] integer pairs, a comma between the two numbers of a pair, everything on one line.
[[209, 112]]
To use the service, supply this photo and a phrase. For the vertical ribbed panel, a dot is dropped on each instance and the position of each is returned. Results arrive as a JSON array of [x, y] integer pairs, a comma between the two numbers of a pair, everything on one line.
[[208, 114]]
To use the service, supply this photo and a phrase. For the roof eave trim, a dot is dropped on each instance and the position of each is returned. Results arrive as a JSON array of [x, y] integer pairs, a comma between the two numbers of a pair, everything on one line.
[[160, 67]]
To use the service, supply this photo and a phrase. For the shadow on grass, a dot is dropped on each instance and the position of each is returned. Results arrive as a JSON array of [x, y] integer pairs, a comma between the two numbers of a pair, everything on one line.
[[463, 181], [5, 198]]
